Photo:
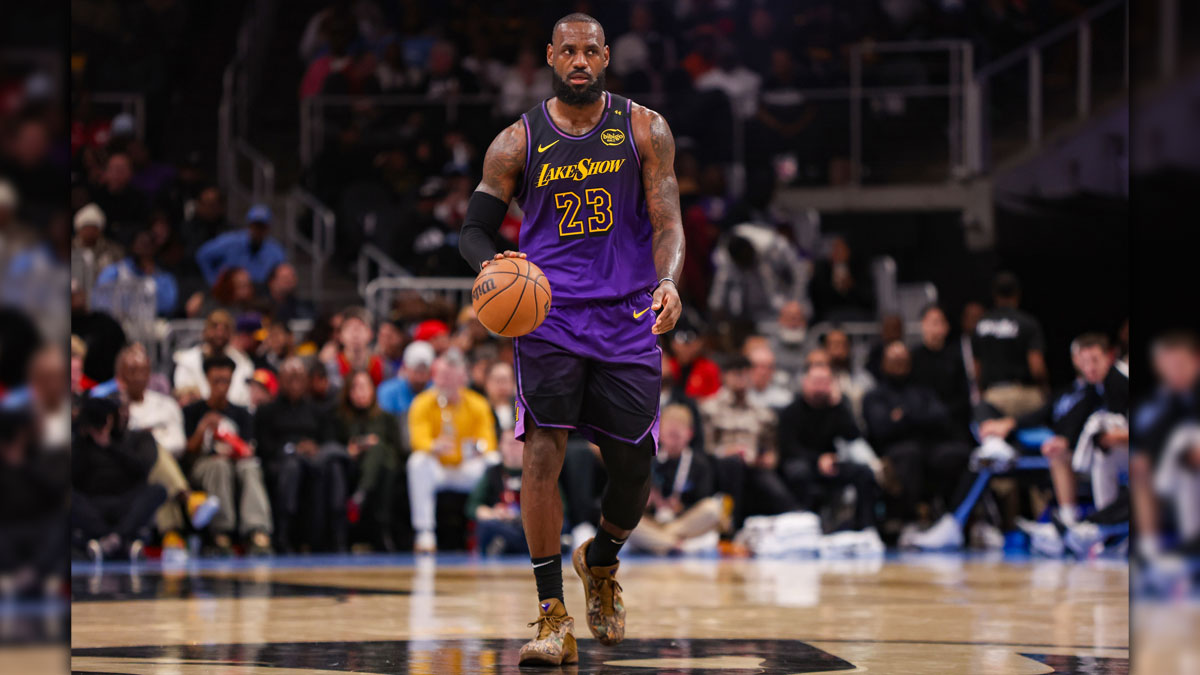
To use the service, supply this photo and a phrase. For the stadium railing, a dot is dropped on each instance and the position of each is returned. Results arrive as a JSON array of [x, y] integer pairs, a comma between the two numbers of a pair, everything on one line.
[[372, 263], [381, 293], [238, 85], [996, 88], [317, 242]]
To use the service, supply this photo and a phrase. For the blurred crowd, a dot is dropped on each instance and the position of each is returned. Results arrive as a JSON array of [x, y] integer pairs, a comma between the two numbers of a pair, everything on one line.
[[395, 432]]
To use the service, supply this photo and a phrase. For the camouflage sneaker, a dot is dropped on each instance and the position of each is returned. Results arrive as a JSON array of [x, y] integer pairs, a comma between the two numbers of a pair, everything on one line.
[[605, 610], [554, 643]]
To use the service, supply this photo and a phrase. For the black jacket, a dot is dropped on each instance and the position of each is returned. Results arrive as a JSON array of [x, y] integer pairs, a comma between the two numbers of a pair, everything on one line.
[[806, 432], [924, 417], [114, 469], [945, 373], [1068, 411], [281, 422]]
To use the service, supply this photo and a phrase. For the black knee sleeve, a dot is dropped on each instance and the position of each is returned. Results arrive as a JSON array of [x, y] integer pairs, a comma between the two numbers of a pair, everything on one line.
[[628, 489]]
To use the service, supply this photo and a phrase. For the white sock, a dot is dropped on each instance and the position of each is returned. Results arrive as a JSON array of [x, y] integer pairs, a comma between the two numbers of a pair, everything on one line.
[[1067, 514]]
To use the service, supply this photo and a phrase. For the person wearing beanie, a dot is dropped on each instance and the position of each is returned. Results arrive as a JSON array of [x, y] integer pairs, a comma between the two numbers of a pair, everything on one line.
[[91, 251]]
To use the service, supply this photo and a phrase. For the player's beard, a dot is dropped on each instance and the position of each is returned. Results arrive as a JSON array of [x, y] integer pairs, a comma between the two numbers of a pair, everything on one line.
[[572, 95]]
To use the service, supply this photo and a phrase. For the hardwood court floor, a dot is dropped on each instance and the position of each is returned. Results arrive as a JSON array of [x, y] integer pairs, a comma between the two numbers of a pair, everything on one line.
[[903, 614]]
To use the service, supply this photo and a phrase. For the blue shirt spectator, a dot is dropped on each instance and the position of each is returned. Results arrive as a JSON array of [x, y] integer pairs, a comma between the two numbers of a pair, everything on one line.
[[165, 288], [250, 248], [395, 395]]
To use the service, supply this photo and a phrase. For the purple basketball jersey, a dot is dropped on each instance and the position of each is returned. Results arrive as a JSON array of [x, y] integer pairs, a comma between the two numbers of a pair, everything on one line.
[[586, 224]]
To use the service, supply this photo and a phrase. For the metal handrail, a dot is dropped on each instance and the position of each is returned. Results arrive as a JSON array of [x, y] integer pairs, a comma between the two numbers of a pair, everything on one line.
[[370, 253], [320, 247], [380, 290], [978, 131]]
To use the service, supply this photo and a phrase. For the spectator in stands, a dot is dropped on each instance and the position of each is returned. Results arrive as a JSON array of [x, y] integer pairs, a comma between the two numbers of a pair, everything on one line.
[[264, 387], [891, 329], [247, 334], [112, 505], [1097, 386], [372, 439], [297, 441], [102, 335], [783, 123], [222, 462], [742, 437], [281, 294], [320, 388], [355, 334], [500, 389], [737, 81], [768, 386], [695, 375], [674, 395], [447, 78], [909, 426], [524, 86], [937, 363], [852, 383], [50, 396], [251, 248], [1009, 346], [841, 287], [279, 345], [451, 430], [810, 431], [788, 339], [189, 363], [14, 235], [643, 54], [141, 264], [683, 505], [80, 383], [393, 74], [126, 209], [495, 502], [1175, 400], [390, 341], [160, 415], [233, 292], [91, 251], [757, 273], [206, 222], [35, 489], [436, 333]]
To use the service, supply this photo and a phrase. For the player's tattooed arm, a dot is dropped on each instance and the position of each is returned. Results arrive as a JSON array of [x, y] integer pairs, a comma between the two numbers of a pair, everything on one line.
[[656, 146], [502, 168], [504, 163]]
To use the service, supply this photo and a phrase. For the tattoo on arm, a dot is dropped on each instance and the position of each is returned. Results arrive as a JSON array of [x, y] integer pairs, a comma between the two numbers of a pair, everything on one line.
[[662, 197], [504, 163]]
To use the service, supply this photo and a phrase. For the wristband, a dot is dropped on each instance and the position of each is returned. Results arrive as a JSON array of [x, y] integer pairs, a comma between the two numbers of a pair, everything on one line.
[[660, 281]]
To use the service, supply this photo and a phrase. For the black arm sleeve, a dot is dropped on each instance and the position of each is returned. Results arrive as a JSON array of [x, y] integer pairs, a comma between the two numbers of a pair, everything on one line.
[[481, 228]]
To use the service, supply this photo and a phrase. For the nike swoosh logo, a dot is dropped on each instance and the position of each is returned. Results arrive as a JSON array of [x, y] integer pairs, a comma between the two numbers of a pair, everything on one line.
[[638, 315], [548, 561], [543, 148]]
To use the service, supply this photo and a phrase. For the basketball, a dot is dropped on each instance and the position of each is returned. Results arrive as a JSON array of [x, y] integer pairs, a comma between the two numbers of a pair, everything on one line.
[[511, 297]]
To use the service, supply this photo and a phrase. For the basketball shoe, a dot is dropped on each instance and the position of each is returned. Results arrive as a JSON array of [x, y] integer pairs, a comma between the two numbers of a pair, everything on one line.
[[554, 643], [605, 610]]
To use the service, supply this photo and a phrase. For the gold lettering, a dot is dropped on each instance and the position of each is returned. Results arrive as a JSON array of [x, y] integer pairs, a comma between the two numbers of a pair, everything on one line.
[[579, 171]]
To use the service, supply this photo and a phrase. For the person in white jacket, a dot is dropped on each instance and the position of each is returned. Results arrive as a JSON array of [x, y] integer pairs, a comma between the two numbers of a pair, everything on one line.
[[189, 363]]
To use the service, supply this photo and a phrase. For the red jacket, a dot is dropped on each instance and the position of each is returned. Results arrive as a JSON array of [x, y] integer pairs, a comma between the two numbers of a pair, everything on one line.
[[703, 381]]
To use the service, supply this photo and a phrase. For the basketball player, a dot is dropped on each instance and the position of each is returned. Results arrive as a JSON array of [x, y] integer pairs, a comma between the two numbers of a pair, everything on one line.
[[594, 175]]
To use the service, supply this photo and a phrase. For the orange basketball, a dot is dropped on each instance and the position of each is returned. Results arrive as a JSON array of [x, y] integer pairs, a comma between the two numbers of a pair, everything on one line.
[[511, 297]]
